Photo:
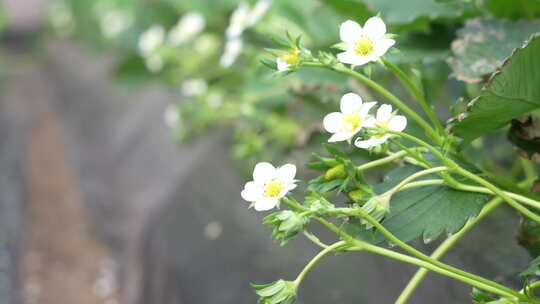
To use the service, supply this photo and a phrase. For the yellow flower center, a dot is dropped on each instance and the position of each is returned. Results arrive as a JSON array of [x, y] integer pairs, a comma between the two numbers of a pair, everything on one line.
[[352, 121], [291, 57], [364, 46], [273, 188]]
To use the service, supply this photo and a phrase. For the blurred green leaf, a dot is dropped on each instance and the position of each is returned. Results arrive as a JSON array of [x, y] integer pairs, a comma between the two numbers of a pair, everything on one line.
[[483, 45]]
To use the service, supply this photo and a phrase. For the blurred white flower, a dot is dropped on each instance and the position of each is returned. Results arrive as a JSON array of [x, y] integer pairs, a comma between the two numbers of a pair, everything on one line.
[[171, 116], [151, 40], [238, 21], [113, 22], [154, 63], [269, 185], [258, 11], [188, 27], [365, 44], [193, 87], [384, 119], [233, 48], [353, 117], [284, 61], [242, 18]]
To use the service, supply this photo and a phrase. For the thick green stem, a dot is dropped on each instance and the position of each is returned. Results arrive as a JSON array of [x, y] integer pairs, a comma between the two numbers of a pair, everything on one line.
[[415, 92]]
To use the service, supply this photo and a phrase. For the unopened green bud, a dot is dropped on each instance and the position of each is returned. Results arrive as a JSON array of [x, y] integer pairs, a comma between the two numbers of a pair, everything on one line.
[[377, 207], [278, 292], [335, 172]]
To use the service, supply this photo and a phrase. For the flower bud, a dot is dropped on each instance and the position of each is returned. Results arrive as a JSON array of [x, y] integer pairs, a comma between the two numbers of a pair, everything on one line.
[[377, 207], [286, 225], [335, 172], [278, 292]]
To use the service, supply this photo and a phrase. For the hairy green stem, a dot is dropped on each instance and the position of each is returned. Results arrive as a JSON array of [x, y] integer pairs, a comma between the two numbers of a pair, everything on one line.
[[415, 92]]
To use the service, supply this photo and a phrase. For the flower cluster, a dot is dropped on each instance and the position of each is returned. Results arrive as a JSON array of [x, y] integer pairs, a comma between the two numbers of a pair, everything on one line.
[[156, 38], [355, 116], [242, 18]]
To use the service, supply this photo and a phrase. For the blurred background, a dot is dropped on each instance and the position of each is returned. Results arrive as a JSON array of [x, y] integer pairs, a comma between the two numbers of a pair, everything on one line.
[[102, 201]]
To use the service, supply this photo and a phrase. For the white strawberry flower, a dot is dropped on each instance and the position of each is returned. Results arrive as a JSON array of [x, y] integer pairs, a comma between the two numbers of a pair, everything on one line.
[[269, 185], [384, 119], [364, 44], [188, 27], [239, 21], [354, 116]]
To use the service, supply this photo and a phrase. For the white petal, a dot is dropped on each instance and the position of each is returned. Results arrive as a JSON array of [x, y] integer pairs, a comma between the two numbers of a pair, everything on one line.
[[350, 57], [349, 31], [333, 122], [286, 173], [265, 204], [382, 45], [374, 27], [350, 103], [264, 172], [290, 187], [251, 192], [384, 113], [341, 136], [281, 64], [370, 143], [398, 123], [369, 122], [364, 110]]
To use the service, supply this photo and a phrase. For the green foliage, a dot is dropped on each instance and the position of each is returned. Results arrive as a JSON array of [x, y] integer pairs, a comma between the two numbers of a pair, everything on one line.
[[425, 212], [533, 269], [511, 92]]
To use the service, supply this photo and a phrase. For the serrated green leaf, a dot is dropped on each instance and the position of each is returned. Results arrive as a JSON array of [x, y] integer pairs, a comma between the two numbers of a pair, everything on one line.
[[483, 44], [533, 269], [425, 212], [512, 92]]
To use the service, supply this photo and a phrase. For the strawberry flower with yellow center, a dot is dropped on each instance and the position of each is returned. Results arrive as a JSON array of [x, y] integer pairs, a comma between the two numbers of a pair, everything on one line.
[[385, 120], [364, 44], [269, 185], [353, 117]]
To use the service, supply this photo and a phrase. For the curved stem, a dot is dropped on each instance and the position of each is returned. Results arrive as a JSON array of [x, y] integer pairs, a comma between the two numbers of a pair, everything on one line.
[[443, 248], [314, 239], [416, 175], [455, 167], [384, 92], [382, 161], [415, 92], [413, 251], [434, 265], [362, 246], [315, 260]]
